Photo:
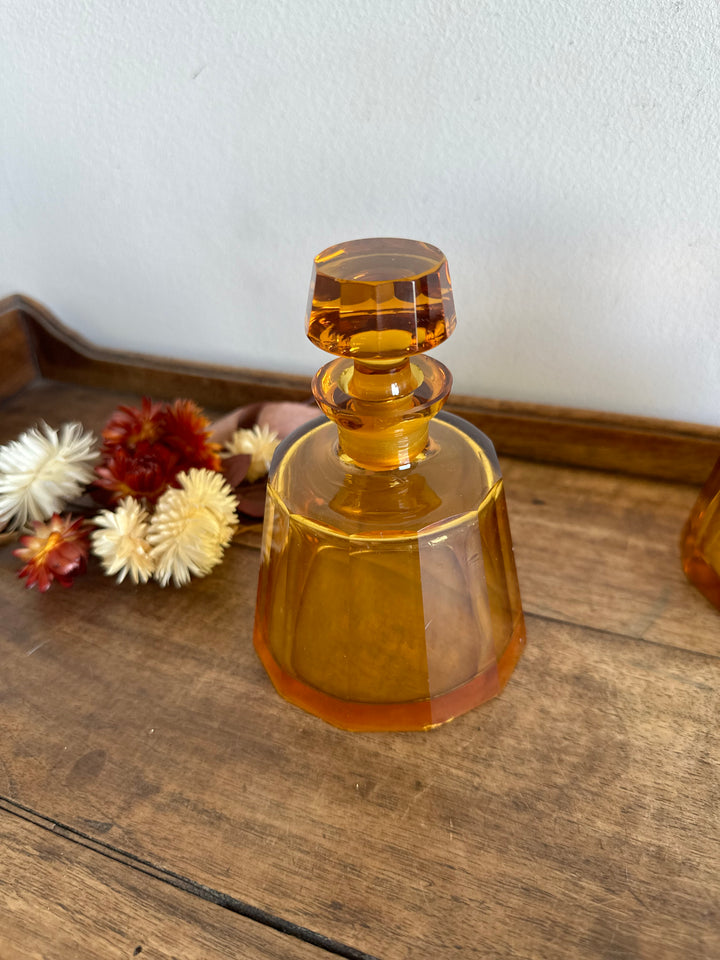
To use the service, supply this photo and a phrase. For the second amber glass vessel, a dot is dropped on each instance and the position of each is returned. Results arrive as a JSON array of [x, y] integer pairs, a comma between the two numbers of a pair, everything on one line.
[[700, 543], [388, 596]]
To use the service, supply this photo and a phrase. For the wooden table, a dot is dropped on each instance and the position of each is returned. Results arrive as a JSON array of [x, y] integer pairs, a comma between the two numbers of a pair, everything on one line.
[[158, 799]]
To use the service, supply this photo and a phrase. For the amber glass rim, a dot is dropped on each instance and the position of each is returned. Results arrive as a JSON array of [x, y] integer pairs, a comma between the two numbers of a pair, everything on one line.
[[326, 256]]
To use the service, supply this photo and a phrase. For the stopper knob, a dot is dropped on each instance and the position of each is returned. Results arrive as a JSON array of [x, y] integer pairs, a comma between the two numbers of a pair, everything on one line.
[[380, 299]]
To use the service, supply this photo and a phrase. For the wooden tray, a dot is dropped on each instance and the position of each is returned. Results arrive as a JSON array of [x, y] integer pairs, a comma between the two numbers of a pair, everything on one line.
[[158, 799]]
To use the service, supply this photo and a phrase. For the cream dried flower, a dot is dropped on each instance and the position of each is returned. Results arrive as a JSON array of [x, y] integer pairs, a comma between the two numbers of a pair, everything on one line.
[[121, 541], [42, 470], [260, 443], [191, 526]]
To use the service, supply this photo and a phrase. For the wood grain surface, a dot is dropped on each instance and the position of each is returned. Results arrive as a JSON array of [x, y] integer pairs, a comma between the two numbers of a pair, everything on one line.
[[576, 815], [62, 899], [603, 551]]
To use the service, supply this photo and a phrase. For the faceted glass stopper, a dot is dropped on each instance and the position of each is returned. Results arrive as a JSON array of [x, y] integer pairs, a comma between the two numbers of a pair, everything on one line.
[[380, 300]]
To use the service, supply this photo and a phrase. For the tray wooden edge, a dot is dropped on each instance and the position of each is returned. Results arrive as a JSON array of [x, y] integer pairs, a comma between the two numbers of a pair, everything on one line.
[[35, 344]]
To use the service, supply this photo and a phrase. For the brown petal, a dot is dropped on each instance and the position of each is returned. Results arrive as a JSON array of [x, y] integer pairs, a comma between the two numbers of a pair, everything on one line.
[[283, 418], [235, 468], [241, 418], [251, 499]]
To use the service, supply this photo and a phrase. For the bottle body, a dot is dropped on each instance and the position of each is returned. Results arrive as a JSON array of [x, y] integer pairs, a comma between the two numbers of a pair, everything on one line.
[[700, 545], [388, 600]]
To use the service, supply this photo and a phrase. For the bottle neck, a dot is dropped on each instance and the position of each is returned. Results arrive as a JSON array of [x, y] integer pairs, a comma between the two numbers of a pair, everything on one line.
[[382, 410]]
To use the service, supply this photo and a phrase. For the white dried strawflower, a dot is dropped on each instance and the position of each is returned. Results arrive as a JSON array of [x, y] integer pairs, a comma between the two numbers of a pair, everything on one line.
[[42, 470], [121, 541], [191, 526], [260, 443]]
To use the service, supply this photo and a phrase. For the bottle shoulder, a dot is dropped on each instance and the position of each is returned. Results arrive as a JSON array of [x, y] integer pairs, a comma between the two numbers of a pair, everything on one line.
[[452, 477]]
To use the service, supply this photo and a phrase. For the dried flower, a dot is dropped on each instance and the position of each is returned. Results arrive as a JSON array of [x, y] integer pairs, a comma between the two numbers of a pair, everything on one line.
[[120, 542], [144, 473], [191, 527], [130, 426], [56, 551], [260, 443], [187, 432], [145, 448], [42, 470]]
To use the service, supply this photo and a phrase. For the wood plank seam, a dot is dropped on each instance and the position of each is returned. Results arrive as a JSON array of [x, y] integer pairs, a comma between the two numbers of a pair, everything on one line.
[[187, 885], [615, 635]]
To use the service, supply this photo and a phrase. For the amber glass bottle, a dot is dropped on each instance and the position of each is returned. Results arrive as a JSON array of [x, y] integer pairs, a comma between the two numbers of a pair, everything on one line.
[[701, 540], [388, 597]]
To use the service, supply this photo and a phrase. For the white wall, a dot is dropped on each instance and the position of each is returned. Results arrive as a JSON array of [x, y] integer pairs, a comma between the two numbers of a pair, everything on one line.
[[170, 168]]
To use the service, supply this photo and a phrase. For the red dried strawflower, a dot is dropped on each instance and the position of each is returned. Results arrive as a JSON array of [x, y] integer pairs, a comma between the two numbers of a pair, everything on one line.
[[187, 432], [130, 426], [57, 550], [145, 473], [146, 447]]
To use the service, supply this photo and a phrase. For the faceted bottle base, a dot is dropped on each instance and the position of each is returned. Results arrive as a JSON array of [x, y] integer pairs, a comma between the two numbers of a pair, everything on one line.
[[390, 601], [374, 717]]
